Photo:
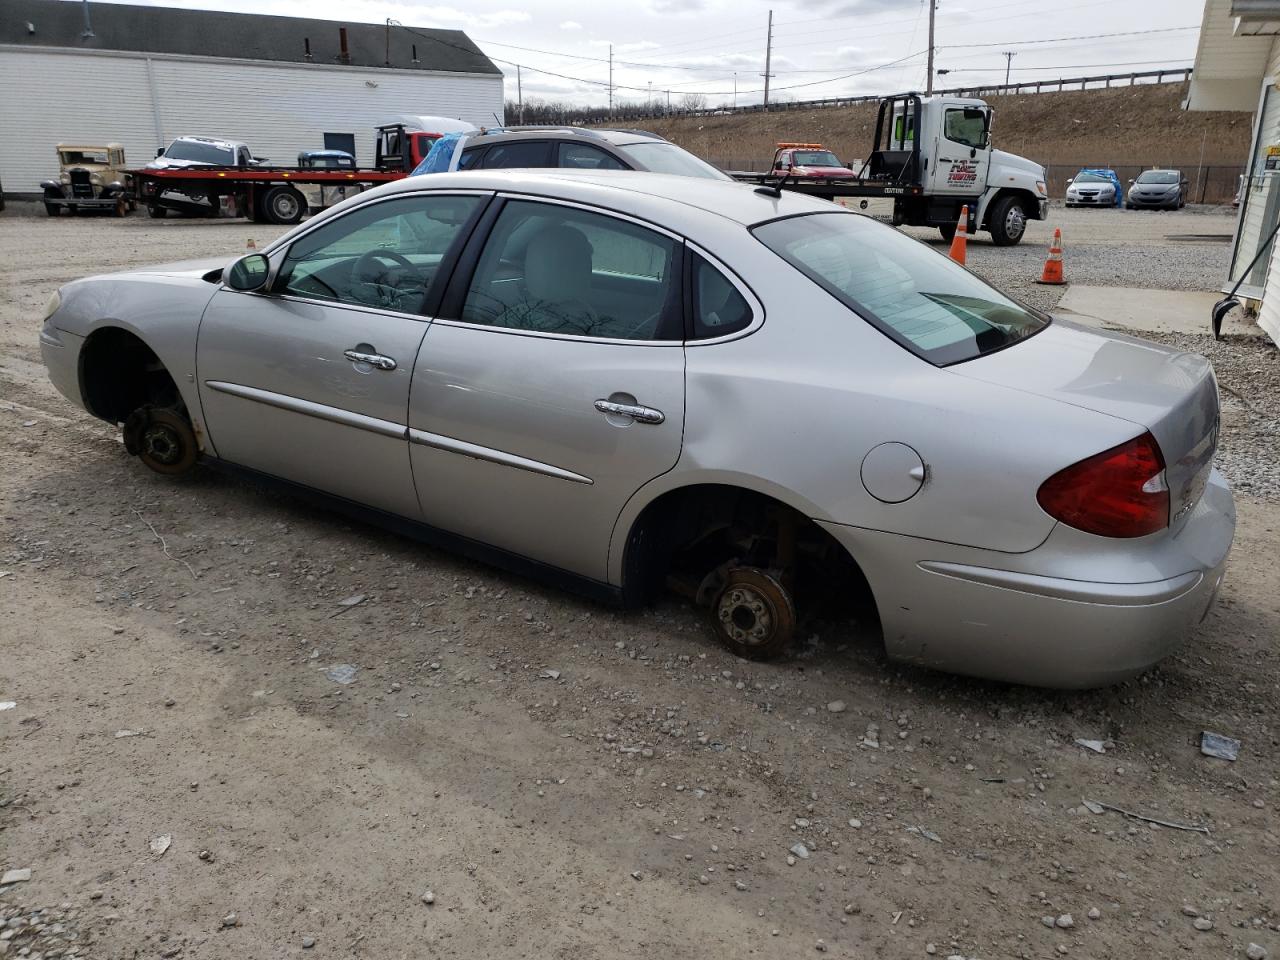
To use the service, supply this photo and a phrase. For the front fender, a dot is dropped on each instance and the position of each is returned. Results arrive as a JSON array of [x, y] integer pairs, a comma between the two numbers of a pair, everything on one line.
[[52, 189]]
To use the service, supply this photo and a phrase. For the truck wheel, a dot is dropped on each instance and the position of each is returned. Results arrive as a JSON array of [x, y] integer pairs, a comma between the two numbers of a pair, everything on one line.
[[157, 212], [283, 205], [51, 209], [1007, 221], [948, 231]]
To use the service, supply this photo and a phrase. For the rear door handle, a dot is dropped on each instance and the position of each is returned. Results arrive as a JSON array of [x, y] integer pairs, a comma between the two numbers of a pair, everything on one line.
[[373, 359], [635, 411]]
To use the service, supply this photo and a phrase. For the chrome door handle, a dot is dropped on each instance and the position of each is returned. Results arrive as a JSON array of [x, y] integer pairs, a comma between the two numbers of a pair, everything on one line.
[[373, 359], [635, 411]]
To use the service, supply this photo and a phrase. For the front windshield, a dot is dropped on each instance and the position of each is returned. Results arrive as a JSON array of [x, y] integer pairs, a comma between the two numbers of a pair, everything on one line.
[[934, 308], [1158, 176], [1086, 177], [84, 156], [201, 152], [814, 158], [659, 157]]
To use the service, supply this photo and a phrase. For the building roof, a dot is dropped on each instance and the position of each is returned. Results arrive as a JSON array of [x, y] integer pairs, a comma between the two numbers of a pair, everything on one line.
[[214, 33]]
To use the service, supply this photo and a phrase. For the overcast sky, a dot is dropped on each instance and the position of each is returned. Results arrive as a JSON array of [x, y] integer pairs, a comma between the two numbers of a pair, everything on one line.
[[703, 46]]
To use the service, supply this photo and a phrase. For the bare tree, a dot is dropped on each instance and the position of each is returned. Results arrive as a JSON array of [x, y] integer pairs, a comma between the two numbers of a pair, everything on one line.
[[692, 102]]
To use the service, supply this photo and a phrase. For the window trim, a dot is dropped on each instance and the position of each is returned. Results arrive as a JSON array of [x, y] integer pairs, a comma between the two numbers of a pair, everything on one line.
[[451, 304], [434, 296]]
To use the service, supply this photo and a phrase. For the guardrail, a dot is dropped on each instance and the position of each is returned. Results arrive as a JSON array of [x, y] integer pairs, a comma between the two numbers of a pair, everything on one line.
[[1104, 80]]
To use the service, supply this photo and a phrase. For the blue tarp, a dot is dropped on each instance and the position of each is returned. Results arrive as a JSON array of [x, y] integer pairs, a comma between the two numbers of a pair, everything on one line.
[[1110, 175], [440, 155]]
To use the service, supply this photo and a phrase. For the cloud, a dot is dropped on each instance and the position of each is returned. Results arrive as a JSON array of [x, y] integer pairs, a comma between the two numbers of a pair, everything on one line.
[[571, 25], [452, 16], [677, 6]]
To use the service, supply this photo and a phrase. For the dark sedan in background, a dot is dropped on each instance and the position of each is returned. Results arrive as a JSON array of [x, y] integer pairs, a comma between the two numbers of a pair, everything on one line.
[[1160, 189]]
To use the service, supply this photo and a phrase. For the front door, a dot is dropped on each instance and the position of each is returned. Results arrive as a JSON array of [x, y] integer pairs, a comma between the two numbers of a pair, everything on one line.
[[552, 388], [310, 381], [961, 151]]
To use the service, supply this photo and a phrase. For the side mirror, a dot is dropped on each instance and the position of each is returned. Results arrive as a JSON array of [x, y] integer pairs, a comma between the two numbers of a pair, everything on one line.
[[1071, 179], [249, 273], [159, 151], [1133, 181]]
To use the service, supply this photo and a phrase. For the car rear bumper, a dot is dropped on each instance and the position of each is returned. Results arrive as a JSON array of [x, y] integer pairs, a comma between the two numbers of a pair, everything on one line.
[[1046, 627]]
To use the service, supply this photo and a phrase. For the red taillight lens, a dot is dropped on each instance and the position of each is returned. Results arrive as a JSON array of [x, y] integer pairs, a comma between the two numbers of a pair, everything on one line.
[[1120, 492]]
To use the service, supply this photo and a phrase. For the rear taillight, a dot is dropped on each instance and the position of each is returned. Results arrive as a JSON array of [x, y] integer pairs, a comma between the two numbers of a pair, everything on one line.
[[1120, 492]]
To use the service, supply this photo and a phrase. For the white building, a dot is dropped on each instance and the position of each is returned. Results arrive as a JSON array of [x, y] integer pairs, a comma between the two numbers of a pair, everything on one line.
[[1238, 68], [141, 76]]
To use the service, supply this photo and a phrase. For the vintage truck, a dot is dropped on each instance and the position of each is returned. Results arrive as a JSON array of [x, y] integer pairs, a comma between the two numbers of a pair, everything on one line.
[[89, 178], [932, 156]]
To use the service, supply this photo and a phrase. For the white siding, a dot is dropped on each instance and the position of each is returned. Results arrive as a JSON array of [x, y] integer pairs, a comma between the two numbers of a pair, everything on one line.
[[278, 109], [1269, 313]]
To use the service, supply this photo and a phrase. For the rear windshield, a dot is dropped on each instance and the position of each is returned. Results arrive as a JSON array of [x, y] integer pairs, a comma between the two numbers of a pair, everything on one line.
[[916, 296], [202, 152], [1158, 176], [658, 157]]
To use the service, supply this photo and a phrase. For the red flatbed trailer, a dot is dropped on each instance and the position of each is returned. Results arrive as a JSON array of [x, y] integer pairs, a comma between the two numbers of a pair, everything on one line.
[[263, 194]]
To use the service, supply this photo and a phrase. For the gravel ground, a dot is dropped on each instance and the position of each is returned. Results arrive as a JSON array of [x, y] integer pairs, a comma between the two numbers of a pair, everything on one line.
[[566, 780]]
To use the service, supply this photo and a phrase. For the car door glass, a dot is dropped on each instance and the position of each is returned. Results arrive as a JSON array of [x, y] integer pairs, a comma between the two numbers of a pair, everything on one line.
[[382, 255], [582, 156], [470, 158], [965, 126], [562, 270], [719, 308], [518, 153]]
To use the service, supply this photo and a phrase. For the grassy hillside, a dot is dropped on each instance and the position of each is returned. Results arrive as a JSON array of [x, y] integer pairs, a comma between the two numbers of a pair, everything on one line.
[[1138, 126]]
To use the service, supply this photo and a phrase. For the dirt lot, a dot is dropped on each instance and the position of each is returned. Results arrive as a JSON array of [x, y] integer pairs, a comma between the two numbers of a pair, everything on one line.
[[566, 780]]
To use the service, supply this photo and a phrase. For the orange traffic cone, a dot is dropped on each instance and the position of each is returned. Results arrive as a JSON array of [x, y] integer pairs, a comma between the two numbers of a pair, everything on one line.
[[1053, 264], [251, 245], [959, 242]]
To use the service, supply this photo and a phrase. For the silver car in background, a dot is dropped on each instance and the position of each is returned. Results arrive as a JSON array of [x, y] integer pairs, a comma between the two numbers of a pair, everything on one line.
[[623, 380]]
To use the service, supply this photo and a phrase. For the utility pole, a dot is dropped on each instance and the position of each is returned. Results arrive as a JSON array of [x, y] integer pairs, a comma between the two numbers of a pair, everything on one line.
[[735, 89], [519, 95], [1008, 63], [611, 81], [649, 103], [928, 79], [88, 27], [768, 59], [668, 103]]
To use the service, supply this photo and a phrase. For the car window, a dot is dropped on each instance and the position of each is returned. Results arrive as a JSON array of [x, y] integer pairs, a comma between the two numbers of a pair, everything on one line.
[[582, 156], [202, 152], [657, 156], [814, 158], [1091, 178], [562, 270], [718, 308], [382, 255], [922, 300], [518, 153], [1158, 176], [470, 158], [968, 126]]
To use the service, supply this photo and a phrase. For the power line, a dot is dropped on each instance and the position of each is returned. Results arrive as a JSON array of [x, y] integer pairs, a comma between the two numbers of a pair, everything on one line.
[[1091, 36], [1073, 66]]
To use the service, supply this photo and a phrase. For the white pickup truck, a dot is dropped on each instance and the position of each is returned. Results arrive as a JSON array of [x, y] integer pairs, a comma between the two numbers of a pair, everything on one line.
[[932, 156]]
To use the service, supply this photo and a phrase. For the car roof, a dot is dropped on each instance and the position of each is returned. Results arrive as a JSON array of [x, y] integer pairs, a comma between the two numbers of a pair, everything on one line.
[[632, 191], [617, 137]]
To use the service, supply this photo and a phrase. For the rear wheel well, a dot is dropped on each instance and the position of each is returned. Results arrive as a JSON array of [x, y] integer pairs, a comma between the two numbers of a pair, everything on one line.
[[689, 533], [119, 373]]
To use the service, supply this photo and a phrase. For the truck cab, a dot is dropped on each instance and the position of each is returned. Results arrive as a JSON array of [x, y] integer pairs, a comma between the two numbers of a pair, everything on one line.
[[938, 150], [807, 160], [405, 143]]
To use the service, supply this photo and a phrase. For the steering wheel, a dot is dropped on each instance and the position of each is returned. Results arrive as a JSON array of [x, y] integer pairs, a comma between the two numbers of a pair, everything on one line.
[[364, 267]]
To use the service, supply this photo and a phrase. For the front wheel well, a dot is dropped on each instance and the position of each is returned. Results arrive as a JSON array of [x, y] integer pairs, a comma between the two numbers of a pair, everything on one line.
[[689, 533], [119, 373]]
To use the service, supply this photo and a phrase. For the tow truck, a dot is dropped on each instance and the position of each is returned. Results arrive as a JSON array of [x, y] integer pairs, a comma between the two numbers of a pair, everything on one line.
[[932, 156], [271, 194]]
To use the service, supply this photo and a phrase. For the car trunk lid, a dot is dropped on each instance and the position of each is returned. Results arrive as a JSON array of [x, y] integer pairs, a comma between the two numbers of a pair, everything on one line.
[[1167, 391]]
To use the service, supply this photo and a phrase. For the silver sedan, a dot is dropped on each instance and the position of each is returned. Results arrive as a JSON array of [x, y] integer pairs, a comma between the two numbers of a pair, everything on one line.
[[624, 381]]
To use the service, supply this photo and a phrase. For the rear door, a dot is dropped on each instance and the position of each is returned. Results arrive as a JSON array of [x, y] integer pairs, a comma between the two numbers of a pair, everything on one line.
[[517, 153], [551, 387]]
